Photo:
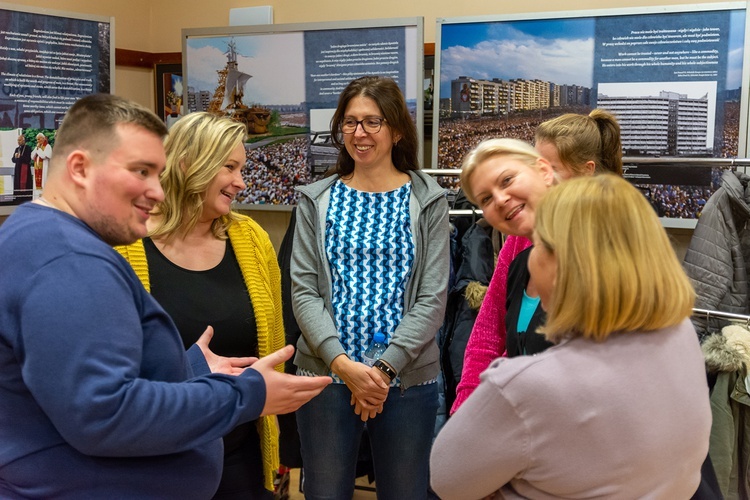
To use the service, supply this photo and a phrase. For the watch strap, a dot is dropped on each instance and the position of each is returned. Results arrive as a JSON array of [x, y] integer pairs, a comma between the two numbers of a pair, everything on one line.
[[385, 368]]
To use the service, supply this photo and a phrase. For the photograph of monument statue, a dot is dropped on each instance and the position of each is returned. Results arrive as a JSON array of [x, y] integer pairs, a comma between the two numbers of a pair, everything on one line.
[[257, 80]]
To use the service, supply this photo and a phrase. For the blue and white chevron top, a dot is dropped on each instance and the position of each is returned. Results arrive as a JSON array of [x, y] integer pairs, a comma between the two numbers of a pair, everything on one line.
[[370, 251]]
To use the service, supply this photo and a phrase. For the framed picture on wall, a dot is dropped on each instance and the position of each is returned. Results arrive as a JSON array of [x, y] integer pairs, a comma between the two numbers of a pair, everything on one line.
[[168, 92], [675, 78], [50, 60], [283, 81]]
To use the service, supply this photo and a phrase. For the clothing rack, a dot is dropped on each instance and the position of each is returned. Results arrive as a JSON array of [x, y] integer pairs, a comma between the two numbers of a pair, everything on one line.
[[631, 160], [464, 211], [709, 314], [702, 162]]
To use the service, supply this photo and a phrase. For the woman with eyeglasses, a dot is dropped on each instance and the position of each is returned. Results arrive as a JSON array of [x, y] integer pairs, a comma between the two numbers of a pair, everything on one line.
[[370, 256]]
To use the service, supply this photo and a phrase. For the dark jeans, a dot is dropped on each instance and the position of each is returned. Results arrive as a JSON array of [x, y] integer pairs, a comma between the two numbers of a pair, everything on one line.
[[400, 438]]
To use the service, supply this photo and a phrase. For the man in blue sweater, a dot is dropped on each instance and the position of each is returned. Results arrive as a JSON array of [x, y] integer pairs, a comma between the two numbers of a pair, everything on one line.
[[98, 399]]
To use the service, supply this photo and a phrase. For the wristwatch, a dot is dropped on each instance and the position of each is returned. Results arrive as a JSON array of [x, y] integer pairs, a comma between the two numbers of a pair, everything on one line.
[[385, 368]]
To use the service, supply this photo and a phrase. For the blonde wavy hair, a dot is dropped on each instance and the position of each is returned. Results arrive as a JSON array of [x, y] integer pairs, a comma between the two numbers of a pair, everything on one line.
[[489, 148], [616, 270], [197, 147]]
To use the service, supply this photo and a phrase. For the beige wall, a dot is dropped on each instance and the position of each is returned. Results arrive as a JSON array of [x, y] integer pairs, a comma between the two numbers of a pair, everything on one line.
[[174, 15], [155, 26], [132, 17]]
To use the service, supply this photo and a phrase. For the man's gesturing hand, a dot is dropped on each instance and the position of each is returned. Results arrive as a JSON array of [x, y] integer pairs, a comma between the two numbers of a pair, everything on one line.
[[284, 392]]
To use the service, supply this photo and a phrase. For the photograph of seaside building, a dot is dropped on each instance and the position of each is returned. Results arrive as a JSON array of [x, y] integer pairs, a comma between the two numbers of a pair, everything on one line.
[[663, 123]]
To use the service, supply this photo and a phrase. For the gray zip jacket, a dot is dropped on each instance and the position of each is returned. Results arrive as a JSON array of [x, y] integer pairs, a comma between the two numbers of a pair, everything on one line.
[[412, 351], [718, 258]]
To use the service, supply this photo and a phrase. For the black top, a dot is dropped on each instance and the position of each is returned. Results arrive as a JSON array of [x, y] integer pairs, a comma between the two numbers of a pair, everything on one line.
[[216, 297], [528, 342], [196, 299]]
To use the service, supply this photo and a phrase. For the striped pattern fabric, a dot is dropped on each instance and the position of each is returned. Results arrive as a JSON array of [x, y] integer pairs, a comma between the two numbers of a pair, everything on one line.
[[370, 250]]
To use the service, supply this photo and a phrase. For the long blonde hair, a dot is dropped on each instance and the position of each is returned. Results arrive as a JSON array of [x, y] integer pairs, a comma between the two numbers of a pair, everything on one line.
[[197, 147], [616, 270]]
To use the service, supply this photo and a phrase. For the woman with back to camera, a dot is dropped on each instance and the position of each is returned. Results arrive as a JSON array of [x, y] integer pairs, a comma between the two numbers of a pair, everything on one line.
[[606, 411], [370, 256], [207, 265], [574, 145]]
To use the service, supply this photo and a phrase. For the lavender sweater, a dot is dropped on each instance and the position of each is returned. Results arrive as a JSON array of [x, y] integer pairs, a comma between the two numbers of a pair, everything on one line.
[[626, 418]]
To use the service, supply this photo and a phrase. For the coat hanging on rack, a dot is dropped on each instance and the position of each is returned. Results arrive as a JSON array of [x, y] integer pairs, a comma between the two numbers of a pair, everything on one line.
[[473, 274], [718, 257], [727, 362], [473, 260]]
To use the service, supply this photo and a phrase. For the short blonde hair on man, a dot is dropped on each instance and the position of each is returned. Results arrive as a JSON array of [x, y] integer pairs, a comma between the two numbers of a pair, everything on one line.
[[197, 147], [616, 270], [513, 148]]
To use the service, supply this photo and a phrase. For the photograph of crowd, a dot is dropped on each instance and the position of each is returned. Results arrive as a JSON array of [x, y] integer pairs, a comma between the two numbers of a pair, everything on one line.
[[273, 171], [459, 136], [481, 98], [456, 137]]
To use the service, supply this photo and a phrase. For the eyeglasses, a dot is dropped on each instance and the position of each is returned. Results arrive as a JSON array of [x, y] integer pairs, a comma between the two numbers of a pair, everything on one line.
[[369, 125]]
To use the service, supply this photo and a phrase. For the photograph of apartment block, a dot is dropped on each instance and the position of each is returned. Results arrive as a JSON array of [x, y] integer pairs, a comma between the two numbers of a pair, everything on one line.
[[667, 124]]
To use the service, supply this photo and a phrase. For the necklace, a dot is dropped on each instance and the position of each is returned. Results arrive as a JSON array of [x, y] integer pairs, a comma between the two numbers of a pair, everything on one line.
[[44, 202]]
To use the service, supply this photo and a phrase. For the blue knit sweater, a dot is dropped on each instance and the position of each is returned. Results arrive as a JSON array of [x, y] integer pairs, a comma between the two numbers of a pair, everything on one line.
[[98, 398]]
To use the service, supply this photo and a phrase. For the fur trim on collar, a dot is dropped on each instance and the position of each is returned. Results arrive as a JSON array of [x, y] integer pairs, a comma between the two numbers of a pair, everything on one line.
[[474, 294], [728, 351]]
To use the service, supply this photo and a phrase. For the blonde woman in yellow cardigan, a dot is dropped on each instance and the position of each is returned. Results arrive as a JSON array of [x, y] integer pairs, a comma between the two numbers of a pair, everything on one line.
[[207, 265]]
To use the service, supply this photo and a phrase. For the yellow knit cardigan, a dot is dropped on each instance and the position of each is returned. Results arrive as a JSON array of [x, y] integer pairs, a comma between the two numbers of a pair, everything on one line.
[[260, 270]]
